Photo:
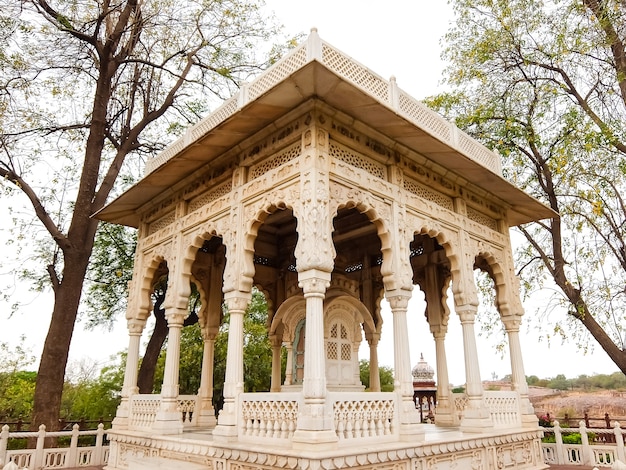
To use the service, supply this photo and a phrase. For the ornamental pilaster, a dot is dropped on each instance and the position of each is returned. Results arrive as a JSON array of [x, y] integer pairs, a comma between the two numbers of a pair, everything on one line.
[[315, 249]]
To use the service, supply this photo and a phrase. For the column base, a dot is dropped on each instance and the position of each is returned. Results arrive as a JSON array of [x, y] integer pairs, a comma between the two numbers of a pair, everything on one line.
[[530, 421], [476, 420], [225, 433], [318, 440], [206, 419], [168, 423], [445, 419], [122, 415], [411, 432]]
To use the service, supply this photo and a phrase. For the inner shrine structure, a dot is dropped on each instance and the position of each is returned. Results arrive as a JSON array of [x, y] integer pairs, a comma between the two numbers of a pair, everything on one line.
[[327, 188]]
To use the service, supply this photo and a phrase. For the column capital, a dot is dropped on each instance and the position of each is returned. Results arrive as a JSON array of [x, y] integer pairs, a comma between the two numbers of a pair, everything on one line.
[[511, 322], [208, 334], [372, 338], [237, 301], [135, 326], [314, 281], [467, 312], [176, 316], [398, 299]]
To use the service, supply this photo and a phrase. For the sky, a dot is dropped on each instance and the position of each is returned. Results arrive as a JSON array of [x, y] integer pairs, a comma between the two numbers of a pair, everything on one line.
[[398, 38]]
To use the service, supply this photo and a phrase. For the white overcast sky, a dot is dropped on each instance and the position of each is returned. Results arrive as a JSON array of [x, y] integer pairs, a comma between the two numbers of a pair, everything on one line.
[[400, 38]]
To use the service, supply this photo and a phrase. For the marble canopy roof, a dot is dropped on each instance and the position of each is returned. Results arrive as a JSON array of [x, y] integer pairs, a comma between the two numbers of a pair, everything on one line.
[[316, 70]]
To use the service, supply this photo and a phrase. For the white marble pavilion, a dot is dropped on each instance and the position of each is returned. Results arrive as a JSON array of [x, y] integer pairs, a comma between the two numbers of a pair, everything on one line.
[[328, 188]]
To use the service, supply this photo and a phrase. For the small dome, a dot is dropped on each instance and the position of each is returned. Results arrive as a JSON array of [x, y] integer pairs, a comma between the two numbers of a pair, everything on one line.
[[422, 372]]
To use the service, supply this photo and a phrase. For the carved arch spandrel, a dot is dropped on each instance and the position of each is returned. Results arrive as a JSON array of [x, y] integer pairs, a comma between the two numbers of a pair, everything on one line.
[[378, 212], [494, 261], [140, 306], [194, 241], [255, 215], [448, 238]]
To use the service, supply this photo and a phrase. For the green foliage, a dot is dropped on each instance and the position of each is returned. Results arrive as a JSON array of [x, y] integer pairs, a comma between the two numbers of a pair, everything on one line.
[[385, 373], [17, 390], [110, 270], [538, 82], [94, 398], [17, 385]]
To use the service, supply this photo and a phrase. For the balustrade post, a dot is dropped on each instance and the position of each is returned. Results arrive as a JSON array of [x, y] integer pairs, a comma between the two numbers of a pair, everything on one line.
[[97, 454], [72, 455], [4, 439], [584, 438], [619, 441], [41, 439], [558, 440]]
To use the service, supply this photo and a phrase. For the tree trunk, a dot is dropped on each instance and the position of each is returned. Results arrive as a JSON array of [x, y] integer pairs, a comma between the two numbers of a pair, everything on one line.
[[51, 373], [145, 379]]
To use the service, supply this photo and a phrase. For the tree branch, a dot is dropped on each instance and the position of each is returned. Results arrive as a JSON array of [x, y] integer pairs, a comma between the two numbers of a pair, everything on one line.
[[60, 239]]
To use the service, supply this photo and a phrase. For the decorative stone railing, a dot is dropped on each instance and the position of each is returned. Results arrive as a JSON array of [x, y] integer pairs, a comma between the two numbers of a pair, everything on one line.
[[356, 416], [58, 457], [144, 408], [362, 416], [504, 408], [270, 416], [385, 91]]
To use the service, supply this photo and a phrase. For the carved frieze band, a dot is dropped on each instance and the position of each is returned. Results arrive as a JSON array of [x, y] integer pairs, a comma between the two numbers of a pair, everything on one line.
[[518, 450]]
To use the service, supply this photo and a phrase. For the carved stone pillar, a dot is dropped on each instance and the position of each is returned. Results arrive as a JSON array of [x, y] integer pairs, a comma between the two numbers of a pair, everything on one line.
[[206, 412], [476, 417], [435, 283], [135, 328], [236, 302], [445, 404], [315, 421], [374, 371], [410, 428], [276, 342], [169, 419], [289, 365], [512, 324]]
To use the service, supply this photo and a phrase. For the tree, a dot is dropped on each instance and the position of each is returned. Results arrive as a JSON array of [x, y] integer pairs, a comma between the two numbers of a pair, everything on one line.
[[544, 84], [84, 87], [385, 373]]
